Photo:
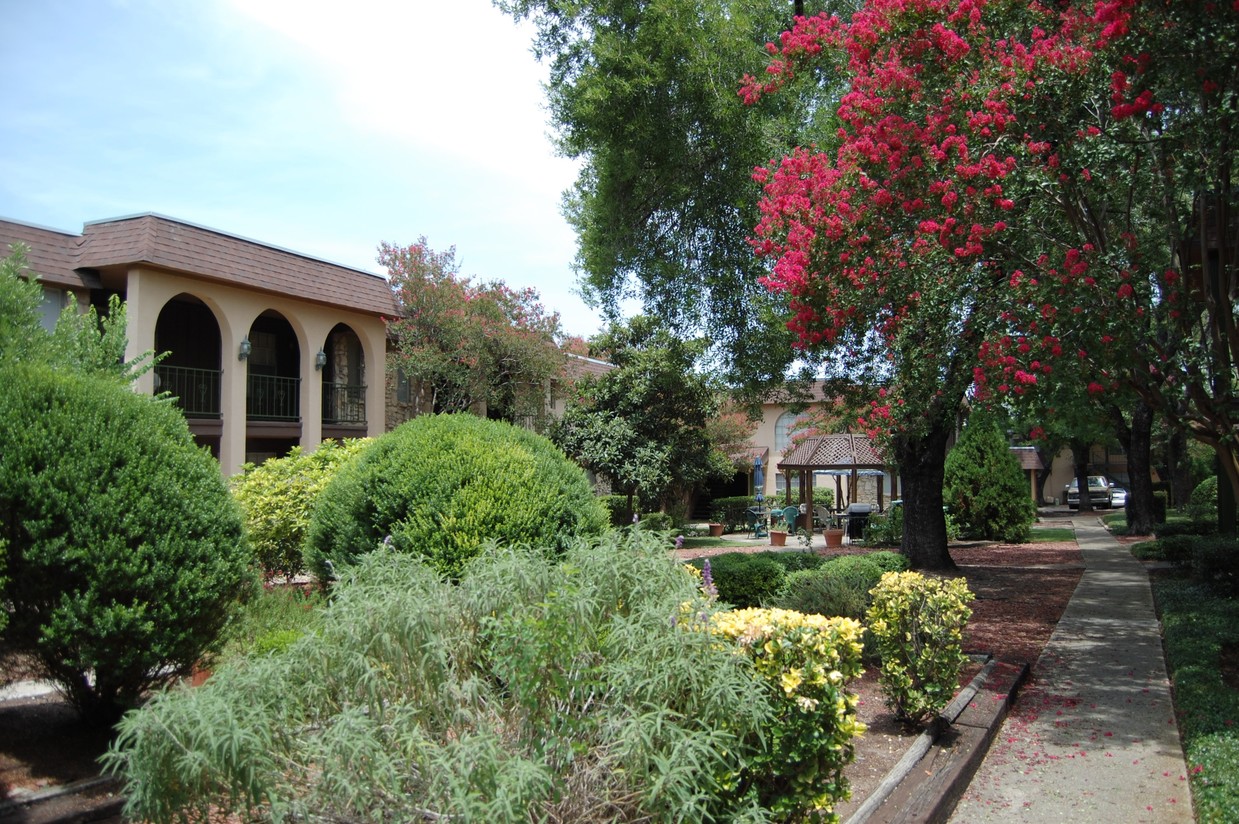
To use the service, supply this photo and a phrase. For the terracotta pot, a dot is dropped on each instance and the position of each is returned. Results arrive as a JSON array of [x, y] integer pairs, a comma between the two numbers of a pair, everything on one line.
[[716, 530], [834, 537], [778, 538]]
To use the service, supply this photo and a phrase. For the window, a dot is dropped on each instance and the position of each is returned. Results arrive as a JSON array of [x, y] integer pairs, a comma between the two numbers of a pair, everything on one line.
[[50, 308], [783, 429], [403, 394]]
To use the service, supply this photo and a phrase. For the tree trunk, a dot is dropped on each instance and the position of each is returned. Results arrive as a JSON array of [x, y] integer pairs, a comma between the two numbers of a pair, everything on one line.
[[1136, 438], [1079, 458], [922, 464], [1178, 467]]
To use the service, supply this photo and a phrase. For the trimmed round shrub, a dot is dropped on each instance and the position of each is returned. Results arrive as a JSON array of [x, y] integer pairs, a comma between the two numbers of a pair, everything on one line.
[[985, 488], [744, 580], [125, 551], [840, 587], [1202, 504], [442, 485], [277, 498]]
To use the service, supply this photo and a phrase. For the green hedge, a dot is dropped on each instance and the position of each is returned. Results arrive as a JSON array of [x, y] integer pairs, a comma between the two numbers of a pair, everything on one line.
[[442, 485], [753, 579], [732, 513], [126, 554]]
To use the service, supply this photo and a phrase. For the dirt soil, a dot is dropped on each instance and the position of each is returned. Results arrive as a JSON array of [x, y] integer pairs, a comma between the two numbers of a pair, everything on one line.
[[1021, 591]]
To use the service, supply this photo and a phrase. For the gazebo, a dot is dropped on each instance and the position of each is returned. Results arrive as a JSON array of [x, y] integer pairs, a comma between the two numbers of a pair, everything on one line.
[[842, 456]]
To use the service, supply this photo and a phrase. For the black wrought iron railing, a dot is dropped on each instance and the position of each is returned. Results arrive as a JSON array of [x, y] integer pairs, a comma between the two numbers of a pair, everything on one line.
[[344, 403], [272, 398], [196, 390]]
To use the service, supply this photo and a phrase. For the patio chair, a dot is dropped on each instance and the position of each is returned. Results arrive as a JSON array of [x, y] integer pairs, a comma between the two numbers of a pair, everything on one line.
[[756, 522]]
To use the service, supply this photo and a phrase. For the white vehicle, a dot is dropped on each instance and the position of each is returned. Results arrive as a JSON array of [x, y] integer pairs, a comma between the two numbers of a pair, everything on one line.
[[1098, 492]]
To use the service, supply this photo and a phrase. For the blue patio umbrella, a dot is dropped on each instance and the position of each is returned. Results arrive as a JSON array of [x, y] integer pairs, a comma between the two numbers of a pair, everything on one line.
[[759, 478]]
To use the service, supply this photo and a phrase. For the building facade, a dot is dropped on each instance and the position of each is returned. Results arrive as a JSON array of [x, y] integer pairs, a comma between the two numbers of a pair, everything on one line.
[[267, 348]]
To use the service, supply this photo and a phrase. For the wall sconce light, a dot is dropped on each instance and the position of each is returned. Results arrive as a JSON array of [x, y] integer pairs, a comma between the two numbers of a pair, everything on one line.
[[244, 351], [320, 360]]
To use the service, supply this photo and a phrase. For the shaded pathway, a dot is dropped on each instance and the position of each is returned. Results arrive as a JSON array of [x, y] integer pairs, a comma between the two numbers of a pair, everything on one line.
[[1092, 738]]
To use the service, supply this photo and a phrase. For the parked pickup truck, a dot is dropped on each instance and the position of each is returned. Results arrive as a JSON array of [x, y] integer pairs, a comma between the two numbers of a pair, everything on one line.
[[1098, 492]]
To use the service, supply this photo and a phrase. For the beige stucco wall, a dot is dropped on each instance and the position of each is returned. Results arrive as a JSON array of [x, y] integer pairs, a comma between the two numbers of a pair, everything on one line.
[[148, 290]]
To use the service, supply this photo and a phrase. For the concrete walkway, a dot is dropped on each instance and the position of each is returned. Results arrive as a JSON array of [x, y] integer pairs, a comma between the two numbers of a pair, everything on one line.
[[1092, 737]]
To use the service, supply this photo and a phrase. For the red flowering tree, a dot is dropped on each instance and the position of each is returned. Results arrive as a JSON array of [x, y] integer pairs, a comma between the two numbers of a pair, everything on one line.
[[469, 346], [1128, 235], [890, 244], [984, 212]]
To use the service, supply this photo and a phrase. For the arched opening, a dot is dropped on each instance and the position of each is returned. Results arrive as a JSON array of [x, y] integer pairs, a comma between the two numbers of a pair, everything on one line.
[[188, 332], [343, 364], [273, 387]]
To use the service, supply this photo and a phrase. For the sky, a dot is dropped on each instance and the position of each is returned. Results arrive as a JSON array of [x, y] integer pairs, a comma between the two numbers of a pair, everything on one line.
[[321, 127]]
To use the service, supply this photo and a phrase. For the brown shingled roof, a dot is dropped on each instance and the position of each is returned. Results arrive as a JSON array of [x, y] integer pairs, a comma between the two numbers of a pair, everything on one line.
[[51, 256], [206, 253]]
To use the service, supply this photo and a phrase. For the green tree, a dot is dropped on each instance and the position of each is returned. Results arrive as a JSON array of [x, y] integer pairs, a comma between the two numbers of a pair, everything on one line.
[[985, 488], [643, 93], [644, 424], [469, 346]]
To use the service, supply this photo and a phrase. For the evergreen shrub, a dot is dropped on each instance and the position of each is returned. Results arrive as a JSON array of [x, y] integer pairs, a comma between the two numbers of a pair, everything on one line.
[[277, 498], [888, 561], [917, 626], [529, 690], [126, 554], [817, 592], [1202, 505], [806, 662], [442, 485], [985, 489], [745, 580], [1215, 562]]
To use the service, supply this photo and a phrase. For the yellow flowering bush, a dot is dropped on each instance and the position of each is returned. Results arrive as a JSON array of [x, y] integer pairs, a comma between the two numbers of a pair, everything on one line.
[[917, 625], [806, 662]]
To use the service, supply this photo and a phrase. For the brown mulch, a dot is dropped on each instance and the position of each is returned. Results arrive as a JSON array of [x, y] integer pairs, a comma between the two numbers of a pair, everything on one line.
[[1021, 591]]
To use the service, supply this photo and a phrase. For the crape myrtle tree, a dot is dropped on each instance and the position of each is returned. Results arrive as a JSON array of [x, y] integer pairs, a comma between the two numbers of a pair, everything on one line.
[[886, 240], [993, 170], [466, 345], [642, 92], [646, 424], [1127, 221]]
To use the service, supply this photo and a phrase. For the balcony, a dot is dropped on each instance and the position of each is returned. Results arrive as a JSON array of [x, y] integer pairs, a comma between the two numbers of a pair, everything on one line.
[[272, 398], [344, 403], [196, 390]]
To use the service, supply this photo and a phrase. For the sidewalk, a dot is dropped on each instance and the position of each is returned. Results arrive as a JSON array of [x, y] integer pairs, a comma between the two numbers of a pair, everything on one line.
[[1092, 737]]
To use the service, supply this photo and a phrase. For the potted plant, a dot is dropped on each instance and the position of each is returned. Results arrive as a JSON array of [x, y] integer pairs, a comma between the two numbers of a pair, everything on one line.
[[834, 536], [716, 530], [778, 537]]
